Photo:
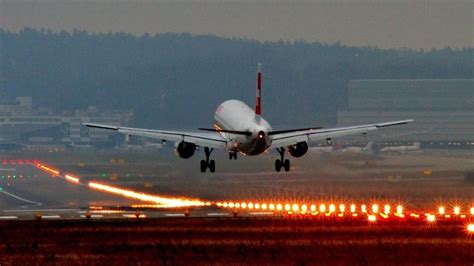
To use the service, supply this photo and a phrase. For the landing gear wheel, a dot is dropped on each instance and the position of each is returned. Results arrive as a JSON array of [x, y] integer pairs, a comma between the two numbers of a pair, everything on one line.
[[286, 165], [203, 166], [206, 163], [212, 166], [278, 165]]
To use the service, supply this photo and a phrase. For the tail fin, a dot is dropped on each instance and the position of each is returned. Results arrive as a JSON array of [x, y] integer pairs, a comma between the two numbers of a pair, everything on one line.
[[258, 105]]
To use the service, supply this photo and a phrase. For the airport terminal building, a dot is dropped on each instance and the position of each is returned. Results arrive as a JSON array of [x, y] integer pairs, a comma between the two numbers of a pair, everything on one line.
[[443, 109], [21, 124]]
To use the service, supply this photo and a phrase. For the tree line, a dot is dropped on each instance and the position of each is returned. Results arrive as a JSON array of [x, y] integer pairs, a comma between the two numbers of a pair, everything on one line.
[[177, 80]]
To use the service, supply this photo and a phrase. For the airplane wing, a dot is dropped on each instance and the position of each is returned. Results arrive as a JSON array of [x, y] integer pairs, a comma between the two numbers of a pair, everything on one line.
[[310, 135], [204, 139]]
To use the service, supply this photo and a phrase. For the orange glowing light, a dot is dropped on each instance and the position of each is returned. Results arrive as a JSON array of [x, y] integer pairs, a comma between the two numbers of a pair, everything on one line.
[[472, 210], [431, 218], [470, 228], [287, 207], [457, 210], [250, 205], [256, 206], [231, 205], [164, 201], [48, 169], [72, 179], [322, 208], [342, 208], [441, 210], [225, 205], [375, 208], [386, 209], [295, 207], [353, 208], [304, 208], [271, 206], [372, 218], [332, 208], [279, 207], [312, 208], [244, 205], [399, 209], [363, 208], [237, 205], [264, 206]]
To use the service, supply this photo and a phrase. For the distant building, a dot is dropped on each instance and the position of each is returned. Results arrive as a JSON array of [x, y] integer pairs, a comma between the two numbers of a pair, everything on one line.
[[443, 109], [19, 123]]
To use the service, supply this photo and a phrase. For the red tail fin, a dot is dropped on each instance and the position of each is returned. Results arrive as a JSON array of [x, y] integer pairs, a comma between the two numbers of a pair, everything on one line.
[[258, 105]]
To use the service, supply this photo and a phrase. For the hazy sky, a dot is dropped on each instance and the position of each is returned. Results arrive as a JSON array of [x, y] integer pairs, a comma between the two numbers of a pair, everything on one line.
[[383, 23]]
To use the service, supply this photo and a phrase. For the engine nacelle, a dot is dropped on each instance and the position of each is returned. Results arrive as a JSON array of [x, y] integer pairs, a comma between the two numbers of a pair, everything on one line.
[[299, 149], [185, 149]]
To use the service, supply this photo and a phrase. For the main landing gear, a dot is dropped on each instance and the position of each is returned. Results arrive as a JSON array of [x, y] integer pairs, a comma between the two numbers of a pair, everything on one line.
[[279, 163], [206, 163]]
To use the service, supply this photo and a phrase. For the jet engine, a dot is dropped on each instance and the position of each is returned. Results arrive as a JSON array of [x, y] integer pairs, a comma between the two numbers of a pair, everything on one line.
[[185, 149], [299, 149]]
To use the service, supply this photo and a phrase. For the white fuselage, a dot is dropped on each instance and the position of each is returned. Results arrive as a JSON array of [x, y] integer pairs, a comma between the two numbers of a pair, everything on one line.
[[236, 115]]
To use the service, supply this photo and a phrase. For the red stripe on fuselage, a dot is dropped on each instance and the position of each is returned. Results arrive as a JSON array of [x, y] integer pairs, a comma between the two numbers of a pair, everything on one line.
[[258, 106]]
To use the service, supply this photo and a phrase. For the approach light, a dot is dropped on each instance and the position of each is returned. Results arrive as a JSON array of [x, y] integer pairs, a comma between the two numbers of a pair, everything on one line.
[[322, 208], [353, 208], [372, 218], [457, 210], [441, 210], [295, 207], [470, 228], [342, 208], [375, 208], [399, 209], [430, 218]]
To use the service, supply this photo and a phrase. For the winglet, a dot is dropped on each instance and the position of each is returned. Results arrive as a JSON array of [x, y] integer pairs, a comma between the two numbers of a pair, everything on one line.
[[258, 105]]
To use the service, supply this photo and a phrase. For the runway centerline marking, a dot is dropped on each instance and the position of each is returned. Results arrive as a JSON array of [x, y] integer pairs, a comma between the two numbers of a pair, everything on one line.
[[8, 217]]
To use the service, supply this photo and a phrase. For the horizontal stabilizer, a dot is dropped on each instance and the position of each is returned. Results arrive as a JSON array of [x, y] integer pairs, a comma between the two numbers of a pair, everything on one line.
[[292, 130], [246, 133]]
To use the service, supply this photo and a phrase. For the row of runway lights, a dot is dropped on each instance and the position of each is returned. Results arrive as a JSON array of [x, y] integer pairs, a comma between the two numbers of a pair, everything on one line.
[[289, 208], [341, 209]]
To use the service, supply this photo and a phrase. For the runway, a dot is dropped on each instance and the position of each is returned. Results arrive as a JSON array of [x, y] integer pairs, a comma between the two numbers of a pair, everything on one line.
[[35, 190]]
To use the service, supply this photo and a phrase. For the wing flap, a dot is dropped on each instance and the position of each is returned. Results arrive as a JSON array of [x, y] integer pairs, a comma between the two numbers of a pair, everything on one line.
[[313, 135], [205, 139]]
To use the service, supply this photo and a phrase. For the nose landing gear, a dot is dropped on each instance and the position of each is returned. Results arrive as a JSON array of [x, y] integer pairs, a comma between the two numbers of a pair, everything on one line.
[[279, 163], [232, 155], [208, 163]]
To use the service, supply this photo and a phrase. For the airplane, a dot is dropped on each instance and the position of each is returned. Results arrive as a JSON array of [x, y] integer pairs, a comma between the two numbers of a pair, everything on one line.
[[240, 129]]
